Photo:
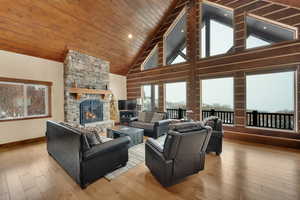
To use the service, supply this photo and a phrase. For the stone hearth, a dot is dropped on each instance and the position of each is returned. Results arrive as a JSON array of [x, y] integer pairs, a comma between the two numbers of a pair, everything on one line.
[[85, 72]]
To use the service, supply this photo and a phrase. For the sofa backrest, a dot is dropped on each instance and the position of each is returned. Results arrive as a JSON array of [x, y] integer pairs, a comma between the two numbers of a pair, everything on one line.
[[64, 144], [147, 116], [185, 150]]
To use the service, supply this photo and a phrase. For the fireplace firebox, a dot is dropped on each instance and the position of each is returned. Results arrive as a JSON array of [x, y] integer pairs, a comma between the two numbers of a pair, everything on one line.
[[91, 111]]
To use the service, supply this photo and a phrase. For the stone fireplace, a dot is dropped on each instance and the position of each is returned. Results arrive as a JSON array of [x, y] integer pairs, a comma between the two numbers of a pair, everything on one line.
[[83, 71]]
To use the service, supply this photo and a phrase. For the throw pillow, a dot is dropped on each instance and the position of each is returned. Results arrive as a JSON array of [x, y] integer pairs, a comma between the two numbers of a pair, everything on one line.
[[91, 134], [157, 117], [92, 138], [142, 116]]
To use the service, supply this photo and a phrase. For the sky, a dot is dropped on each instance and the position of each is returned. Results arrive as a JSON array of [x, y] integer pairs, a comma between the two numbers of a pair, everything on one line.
[[218, 91], [176, 92], [266, 92]]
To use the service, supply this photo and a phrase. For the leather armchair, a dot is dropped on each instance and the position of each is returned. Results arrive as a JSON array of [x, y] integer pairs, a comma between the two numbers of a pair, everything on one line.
[[216, 140], [182, 154]]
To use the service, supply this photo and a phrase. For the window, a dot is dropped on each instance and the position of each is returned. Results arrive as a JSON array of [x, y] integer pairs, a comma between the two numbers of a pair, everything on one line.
[[217, 98], [175, 95], [217, 31], [261, 33], [175, 41], [271, 100], [23, 100], [150, 97], [152, 59]]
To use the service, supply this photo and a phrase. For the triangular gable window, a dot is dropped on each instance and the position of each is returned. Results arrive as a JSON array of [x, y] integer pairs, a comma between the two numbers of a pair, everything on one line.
[[152, 60], [262, 33], [175, 41], [217, 35]]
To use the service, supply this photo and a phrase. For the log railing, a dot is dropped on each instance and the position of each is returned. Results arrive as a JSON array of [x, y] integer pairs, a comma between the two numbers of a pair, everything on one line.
[[176, 113], [226, 116], [271, 120], [285, 121]]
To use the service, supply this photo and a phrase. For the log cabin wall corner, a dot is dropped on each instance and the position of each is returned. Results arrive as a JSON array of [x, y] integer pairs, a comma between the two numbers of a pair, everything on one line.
[[237, 63]]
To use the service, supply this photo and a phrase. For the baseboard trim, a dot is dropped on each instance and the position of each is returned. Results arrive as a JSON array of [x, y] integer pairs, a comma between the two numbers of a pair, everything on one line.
[[23, 142], [261, 139]]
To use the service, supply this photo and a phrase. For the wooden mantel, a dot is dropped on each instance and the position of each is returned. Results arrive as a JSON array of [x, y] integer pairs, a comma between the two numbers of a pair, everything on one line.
[[80, 91]]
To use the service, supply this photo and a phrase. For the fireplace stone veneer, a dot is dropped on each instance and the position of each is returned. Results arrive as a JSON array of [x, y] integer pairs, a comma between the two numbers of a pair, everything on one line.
[[86, 72]]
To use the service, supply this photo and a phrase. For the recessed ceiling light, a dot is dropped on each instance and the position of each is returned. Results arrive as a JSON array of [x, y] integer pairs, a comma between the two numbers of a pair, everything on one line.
[[130, 36], [182, 31], [265, 28]]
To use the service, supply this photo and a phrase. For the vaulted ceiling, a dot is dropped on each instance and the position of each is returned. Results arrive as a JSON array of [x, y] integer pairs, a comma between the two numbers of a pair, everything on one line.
[[47, 28]]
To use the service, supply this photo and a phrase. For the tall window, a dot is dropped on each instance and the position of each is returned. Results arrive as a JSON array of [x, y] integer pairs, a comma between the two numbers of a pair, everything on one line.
[[175, 95], [175, 100], [217, 98], [217, 31], [175, 41], [150, 97], [271, 100], [152, 60], [261, 33], [21, 100]]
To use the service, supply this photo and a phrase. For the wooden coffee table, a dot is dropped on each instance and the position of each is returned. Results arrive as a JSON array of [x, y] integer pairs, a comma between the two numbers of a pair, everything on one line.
[[136, 134]]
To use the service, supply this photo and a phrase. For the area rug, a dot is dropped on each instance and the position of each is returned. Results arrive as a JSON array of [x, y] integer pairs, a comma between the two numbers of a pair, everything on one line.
[[136, 156]]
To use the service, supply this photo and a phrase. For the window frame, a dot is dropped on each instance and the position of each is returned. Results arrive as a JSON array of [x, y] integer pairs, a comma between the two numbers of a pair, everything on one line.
[[148, 57], [25, 82], [229, 75], [166, 34], [275, 23], [152, 92], [273, 71]]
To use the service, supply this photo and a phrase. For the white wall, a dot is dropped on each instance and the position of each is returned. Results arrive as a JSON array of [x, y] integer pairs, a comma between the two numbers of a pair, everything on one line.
[[19, 66], [14, 65], [118, 86]]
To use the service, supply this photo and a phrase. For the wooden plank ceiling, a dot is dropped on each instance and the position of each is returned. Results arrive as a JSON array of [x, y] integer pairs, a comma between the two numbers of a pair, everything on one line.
[[99, 28]]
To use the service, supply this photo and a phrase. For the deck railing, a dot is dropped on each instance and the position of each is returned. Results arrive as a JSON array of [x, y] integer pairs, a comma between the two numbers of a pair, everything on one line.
[[227, 117], [176, 113], [271, 120], [285, 121]]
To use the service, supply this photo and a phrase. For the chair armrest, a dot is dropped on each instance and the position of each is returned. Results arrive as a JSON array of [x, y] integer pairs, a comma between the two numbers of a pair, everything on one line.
[[132, 119], [163, 122], [107, 147], [153, 143]]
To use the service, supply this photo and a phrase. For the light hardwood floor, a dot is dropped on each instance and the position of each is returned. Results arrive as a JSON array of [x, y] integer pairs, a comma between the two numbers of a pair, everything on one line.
[[243, 171]]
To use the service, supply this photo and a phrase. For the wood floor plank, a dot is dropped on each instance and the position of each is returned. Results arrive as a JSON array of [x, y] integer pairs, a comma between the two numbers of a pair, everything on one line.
[[243, 171]]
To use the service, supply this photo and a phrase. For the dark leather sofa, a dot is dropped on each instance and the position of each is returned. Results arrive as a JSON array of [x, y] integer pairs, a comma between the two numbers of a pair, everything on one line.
[[182, 154], [66, 146], [151, 129]]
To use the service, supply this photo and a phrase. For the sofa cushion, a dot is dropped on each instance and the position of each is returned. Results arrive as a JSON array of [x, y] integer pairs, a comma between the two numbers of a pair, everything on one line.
[[141, 116], [142, 125], [157, 117], [149, 116], [187, 126]]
